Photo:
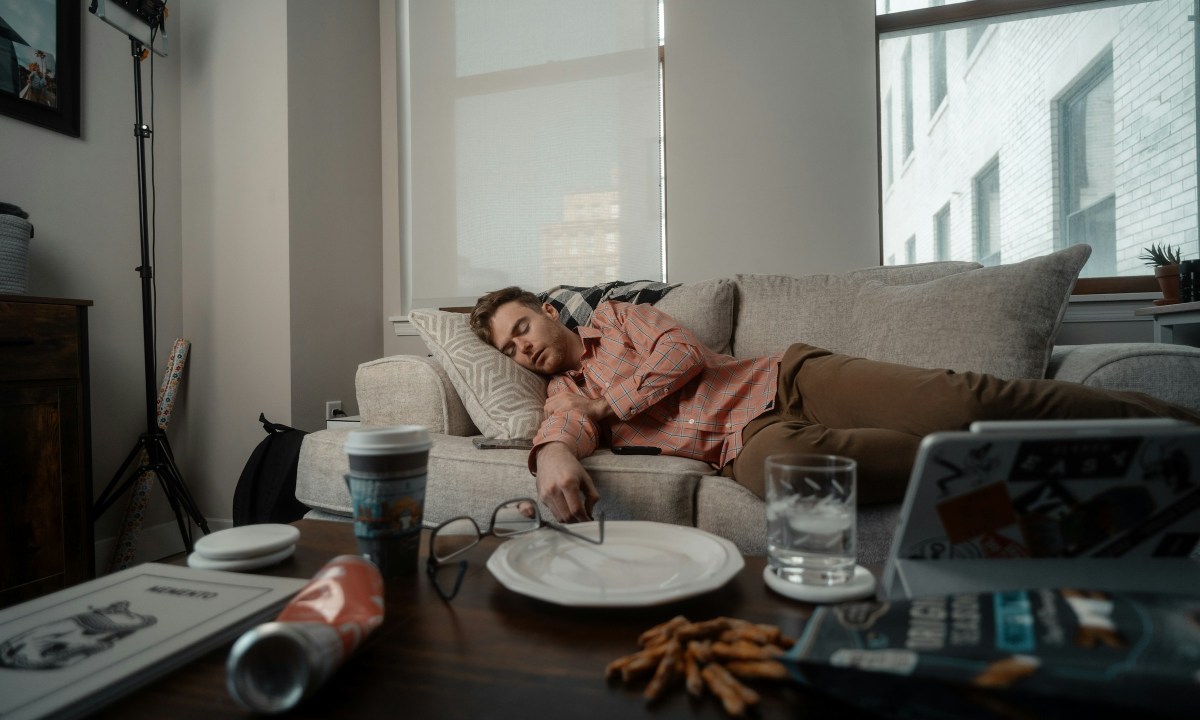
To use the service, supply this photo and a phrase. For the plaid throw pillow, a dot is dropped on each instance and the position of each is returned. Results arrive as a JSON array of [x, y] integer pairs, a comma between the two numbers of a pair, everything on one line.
[[576, 304]]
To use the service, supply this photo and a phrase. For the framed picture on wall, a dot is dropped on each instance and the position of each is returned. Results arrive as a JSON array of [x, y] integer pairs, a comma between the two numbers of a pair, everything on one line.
[[39, 63]]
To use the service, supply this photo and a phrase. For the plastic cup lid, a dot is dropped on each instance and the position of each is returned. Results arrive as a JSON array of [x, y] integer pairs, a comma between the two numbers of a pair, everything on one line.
[[387, 440]]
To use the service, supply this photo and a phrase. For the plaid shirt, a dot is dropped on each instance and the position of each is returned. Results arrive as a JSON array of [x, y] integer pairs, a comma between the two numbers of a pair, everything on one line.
[[667, 389]]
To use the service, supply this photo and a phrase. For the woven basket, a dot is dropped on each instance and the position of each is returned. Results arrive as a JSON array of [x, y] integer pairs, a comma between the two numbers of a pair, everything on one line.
[[14, 254]]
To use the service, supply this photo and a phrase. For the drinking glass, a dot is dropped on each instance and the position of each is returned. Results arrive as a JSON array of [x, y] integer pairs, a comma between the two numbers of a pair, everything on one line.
[[811, 518]]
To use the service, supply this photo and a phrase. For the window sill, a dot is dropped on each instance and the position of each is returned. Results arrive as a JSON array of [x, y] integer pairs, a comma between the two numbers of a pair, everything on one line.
[[402, 326], [1111, 307]]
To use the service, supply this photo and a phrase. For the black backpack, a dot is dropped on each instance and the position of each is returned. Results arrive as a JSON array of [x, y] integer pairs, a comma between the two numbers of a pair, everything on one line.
[[266, 490]]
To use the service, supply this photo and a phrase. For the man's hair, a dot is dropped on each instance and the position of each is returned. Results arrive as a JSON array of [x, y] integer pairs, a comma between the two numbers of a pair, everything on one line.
[[486, 307]]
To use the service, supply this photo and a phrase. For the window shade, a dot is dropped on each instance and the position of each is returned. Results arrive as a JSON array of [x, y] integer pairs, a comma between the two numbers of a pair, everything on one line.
[[534, 131]]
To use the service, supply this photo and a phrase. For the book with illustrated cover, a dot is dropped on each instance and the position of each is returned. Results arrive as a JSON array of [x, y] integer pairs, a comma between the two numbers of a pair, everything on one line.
[[69, 653]]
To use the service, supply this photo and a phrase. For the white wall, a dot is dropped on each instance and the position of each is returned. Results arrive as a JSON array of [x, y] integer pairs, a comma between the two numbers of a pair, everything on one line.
[[770, 130], [236, 236], [335, 202], [81, 194], [282, 221]]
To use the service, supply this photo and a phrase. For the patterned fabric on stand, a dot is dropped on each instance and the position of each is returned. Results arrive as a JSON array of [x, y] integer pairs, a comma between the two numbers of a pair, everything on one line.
[[139, 497]]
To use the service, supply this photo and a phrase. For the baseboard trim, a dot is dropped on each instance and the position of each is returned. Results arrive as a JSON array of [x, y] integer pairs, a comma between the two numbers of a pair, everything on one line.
[[154, 543]]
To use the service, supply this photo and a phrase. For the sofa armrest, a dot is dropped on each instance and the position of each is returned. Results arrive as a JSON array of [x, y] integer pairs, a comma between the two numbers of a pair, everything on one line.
[[1167, 372], [410, 390]]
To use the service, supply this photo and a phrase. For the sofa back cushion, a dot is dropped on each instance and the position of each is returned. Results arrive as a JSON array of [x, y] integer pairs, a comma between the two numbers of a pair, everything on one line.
[[707, 308], [999, 320]]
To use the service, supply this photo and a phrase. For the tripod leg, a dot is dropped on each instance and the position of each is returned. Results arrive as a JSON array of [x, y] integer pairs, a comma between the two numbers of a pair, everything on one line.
[[108, 497], [178, 487], [184, 532]]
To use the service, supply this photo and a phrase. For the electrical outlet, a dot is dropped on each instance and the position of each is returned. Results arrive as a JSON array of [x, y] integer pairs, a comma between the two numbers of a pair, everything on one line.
[[333, 408]]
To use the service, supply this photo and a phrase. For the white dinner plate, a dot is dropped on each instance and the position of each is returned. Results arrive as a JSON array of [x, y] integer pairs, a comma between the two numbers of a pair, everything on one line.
[[640, 563]]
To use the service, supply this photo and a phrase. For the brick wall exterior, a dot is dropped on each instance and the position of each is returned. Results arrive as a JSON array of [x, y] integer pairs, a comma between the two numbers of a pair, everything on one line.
[[1003, 102]]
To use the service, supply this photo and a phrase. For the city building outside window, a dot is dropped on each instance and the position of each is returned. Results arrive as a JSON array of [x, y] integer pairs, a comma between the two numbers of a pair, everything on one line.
[[1090, 107], [888, 150], [941, 233], [910, 250], [937, 71], [1086, 156], [987, 215], [907, 114]]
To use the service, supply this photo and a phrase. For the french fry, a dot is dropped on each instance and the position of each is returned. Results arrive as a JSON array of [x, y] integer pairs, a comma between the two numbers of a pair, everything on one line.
[[670, 667], [734, 696], [662, 632], [711, 654], [706, 629], [702, 649], [744, 650], [693, 681], [643, 663], [757, 669]]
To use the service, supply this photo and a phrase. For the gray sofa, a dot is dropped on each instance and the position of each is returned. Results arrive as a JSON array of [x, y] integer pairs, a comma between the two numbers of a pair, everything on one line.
[[913, 314]]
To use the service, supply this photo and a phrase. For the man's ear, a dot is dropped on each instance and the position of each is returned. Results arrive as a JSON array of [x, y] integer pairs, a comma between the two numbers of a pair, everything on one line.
[[550, 310]]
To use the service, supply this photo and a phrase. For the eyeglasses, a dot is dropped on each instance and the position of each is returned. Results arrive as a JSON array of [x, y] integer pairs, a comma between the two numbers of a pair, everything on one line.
[[511, 517]]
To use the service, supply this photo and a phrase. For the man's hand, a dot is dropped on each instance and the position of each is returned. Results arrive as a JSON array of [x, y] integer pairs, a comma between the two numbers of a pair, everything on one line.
[[595, 410], [563, 485]]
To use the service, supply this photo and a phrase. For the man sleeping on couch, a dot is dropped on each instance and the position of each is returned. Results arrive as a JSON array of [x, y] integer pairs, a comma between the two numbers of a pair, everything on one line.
[[635, 377]]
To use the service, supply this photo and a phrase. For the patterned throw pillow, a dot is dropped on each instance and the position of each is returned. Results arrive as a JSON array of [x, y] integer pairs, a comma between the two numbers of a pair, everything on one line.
[[503, 399]]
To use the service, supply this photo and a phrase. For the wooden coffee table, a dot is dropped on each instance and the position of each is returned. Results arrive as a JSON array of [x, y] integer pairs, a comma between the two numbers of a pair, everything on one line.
[[490, 653]]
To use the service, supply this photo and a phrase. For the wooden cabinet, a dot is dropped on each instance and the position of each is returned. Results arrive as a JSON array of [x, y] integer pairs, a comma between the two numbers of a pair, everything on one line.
[[45, 447]]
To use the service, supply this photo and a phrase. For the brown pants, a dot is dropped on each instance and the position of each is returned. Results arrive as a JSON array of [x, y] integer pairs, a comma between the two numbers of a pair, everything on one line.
[[877, 413]]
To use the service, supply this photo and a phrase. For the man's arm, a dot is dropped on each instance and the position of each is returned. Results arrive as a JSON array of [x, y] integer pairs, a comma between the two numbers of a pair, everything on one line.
[[670, 356], [563, 485], [569, 433]]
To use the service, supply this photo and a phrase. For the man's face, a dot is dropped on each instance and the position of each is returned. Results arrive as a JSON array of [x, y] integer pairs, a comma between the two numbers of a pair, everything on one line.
[[534, 338]]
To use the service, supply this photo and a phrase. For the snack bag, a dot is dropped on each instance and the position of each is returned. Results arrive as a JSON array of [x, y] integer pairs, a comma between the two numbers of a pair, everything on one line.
[[1053, 652]]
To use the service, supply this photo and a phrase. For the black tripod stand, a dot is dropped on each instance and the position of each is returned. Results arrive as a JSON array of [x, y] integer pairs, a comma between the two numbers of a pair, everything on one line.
[[151, 445]]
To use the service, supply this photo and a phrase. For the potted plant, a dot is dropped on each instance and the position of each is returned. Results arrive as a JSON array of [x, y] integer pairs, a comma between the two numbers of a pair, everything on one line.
[[1165, 261]]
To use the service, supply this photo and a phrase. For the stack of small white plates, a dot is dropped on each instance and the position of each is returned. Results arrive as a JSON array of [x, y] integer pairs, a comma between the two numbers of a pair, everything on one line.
[[248, 547]]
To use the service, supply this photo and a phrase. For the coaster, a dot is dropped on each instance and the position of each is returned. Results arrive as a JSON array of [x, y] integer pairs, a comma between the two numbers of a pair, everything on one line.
[[200, 562], [860, 586], [247, 541]]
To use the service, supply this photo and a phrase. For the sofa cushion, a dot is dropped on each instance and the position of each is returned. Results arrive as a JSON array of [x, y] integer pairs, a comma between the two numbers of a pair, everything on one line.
[[774, 311], [464, 480], [1167, 372], [999, 320], [707, 308], [503, 399]]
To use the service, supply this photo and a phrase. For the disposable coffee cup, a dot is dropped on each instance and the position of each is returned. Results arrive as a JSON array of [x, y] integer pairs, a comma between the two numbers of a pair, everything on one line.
[[387, 489]]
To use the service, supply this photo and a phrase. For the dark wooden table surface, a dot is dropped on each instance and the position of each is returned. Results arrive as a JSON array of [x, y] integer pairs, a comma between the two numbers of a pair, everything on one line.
[[490, 653]]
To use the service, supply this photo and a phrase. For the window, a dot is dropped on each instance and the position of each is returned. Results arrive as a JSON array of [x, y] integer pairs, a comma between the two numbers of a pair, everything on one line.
[[532, 137], [1091, 108], [987, 215], [1086, 154], [887, 140], [907, 114], [974, 35], [941, 233], [937, 71], [910, 250], [937, 66]]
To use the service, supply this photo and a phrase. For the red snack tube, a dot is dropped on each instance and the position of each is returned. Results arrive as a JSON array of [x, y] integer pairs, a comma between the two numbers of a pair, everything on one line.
[[274, 666]]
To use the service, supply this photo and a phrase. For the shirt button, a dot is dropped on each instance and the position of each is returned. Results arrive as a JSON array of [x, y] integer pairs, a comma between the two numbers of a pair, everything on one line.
[[691, 422]]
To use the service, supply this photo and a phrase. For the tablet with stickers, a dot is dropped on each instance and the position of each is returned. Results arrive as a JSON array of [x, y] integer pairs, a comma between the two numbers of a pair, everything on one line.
[[1097, 504]]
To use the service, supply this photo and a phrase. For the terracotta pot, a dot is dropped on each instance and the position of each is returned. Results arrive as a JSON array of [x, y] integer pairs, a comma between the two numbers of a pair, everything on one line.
[[1168, 281]]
